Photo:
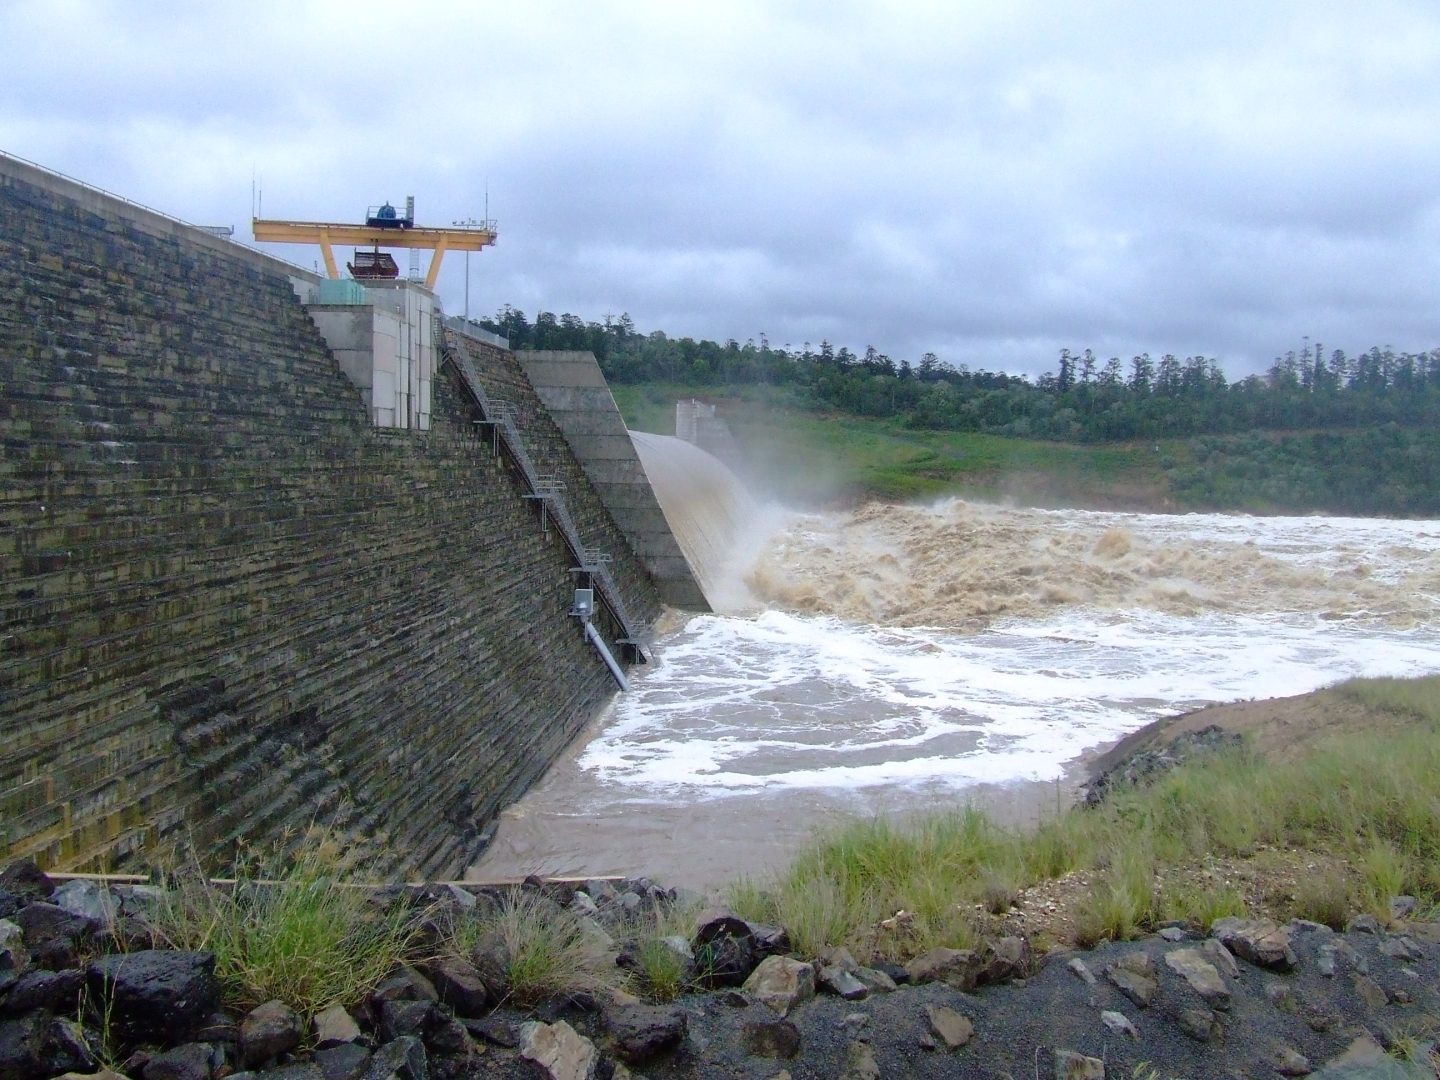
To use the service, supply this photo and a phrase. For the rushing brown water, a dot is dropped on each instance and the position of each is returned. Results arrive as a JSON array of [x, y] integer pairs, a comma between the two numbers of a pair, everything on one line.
[[896, 658], [962, 565]]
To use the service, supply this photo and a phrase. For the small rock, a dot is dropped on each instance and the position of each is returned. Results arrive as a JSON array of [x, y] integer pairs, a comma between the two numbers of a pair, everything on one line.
[[1319, 1019], [725, 950], [495, 1030], [268, 1031], [1363, 1059], [21, 1047], [860, 1063], [1005, 959], [86, 898], [1080, 971], [458, 984], [874, 980], [14, 957], [1257, 941], [334, 1027], [949, 1026], [772, 1037], [54, 991], [1402, 949], [781, 983], [342, 1061], [841, 983], [446, 1037], [460, 896], [1365, 924], [601, 890], [1371, 992], [840, 957], [402, 1059], [643, 1031], [1289, 1062], [53, 935], [558, 1049], [959, 968], [1173, 933], [1119, 1023], [1216, 952], [68, 1046], [770, 940], [1200, 1024], [399, 1018], [405, 985], [1402, 907], [1325, 960], [1134, 976], [1201, 975], [1072, 1066], [189, 1061]]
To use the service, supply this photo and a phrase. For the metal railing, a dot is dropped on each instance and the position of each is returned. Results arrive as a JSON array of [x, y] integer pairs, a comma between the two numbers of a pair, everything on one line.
[[547, 490]]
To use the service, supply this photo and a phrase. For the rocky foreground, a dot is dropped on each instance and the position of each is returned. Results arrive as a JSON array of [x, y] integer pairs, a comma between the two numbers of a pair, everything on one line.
[[1240, 999]]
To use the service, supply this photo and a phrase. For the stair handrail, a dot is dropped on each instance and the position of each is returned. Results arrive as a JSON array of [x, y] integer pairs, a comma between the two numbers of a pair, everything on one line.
[[546, 489]]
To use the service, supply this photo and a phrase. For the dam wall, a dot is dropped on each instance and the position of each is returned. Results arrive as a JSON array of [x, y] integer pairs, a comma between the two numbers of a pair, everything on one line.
[[230, 605]]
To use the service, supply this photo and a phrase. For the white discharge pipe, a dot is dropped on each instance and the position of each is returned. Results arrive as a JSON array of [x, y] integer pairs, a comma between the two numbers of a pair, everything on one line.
[[600, 647]]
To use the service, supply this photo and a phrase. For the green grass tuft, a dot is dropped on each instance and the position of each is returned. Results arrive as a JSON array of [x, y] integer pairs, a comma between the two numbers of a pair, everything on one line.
[[1370, 803], [298, 934], [1419, 698], [1200, 905], [544, 951]]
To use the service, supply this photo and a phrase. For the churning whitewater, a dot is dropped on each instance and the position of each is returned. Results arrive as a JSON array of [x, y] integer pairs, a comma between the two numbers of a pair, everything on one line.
[[891, 658]]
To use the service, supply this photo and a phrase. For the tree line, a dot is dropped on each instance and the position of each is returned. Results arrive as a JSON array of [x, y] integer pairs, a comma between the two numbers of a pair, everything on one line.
[[1085, 399]]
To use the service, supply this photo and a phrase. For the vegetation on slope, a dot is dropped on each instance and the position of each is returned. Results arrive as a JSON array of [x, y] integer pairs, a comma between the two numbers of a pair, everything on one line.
[[1344, 827], [1318, 431]]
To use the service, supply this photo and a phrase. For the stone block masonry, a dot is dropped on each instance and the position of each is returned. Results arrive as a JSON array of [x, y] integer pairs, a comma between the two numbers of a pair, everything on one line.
[[229, 606]]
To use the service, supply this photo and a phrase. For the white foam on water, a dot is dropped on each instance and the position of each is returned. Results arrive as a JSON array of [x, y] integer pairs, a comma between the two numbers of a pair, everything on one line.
[[737, 705], [905, 654]]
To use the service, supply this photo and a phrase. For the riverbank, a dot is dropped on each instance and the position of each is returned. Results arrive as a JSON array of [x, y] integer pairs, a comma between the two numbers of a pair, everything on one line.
[[604, 978]]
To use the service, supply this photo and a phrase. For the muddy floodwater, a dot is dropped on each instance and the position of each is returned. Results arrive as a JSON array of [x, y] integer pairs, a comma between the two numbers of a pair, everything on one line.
[[893, 659]]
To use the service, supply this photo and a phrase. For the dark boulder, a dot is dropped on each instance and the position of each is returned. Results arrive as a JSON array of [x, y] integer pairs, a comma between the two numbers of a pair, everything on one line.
[[268, 1031], [155, 993], [53, 935], [26, 882], [643, 1031]]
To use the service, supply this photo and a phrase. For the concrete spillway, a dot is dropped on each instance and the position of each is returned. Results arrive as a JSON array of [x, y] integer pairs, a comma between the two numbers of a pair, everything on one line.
[[710, 513]]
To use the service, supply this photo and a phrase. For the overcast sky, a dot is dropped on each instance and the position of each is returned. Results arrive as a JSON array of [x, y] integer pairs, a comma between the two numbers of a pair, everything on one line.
[[991, 180]]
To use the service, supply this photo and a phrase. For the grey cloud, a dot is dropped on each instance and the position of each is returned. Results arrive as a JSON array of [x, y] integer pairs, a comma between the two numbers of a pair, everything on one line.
[[990, 180]]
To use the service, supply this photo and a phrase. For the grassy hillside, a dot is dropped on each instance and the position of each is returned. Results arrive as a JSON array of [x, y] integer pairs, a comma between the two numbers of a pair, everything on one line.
[[805, 455], [1336, 822], [808, 454]]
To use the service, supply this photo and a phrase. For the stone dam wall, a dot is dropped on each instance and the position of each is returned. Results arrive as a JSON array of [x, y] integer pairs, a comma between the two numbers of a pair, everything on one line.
[[229, 606]]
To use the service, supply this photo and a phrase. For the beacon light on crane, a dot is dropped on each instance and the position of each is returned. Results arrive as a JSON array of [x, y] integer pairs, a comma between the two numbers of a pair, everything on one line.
[[384, 227]]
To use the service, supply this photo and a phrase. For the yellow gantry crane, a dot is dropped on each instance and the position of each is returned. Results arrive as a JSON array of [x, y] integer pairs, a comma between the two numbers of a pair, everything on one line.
[[384, 227]]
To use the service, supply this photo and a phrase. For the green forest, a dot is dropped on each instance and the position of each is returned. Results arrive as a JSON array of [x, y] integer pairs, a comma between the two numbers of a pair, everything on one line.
[[1317, 431]]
